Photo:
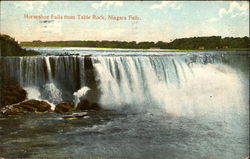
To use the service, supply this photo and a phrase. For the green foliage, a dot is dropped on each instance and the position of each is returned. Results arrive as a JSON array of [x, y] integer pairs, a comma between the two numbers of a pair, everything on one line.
[[193, 43], [9, 47], [213, 42]]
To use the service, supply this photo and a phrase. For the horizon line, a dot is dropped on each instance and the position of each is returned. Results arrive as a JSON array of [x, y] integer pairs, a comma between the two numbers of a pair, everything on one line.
[[135, 41]]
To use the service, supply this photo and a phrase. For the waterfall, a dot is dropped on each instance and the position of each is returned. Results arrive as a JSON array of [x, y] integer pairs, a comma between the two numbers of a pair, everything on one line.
[[51, 92], [170, 84], [48, 68], [178, 84]]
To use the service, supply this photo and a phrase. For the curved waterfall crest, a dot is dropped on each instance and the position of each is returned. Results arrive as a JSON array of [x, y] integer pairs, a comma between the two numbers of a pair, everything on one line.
[[168, 82]]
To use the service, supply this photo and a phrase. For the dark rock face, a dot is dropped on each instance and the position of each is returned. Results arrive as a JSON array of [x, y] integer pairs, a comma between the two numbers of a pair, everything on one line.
[[11, 111], [89, 72], [64, 107], [11, 94], [26, 106], [35, 105], [86, 105], [10, 90]]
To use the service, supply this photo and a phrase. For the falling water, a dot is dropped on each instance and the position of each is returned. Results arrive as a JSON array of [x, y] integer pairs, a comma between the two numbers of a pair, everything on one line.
[[179, 84], [169, 83], [48, 68]]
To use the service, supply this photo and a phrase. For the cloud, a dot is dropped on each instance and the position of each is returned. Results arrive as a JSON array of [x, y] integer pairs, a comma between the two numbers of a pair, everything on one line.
[[31, 5], [222, 12], [235, 9], [213, 19], [164, 4], [107, 4]]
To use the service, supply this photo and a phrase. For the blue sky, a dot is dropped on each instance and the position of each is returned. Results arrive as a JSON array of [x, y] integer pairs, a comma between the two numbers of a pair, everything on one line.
[[159, 21]]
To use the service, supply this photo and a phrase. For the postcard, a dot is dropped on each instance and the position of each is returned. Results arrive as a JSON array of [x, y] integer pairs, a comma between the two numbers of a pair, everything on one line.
[[124, 79]]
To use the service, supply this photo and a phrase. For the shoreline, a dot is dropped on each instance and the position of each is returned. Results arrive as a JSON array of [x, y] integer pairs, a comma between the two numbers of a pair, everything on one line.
[[175, 50]]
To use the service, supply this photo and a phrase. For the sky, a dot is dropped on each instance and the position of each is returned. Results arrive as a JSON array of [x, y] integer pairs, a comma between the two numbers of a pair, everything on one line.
[[149, 20]]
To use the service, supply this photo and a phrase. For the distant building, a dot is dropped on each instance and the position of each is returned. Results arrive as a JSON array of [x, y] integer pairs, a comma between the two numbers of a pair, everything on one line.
[[225, 47], [201, 47]]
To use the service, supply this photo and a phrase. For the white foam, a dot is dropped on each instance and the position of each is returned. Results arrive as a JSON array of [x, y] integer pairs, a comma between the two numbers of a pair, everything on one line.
[[53, 94], [34, 93], [80, 93]]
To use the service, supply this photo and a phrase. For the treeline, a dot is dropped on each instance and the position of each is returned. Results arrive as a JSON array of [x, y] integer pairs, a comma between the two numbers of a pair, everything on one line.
[[212, 42], [9, 47]]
